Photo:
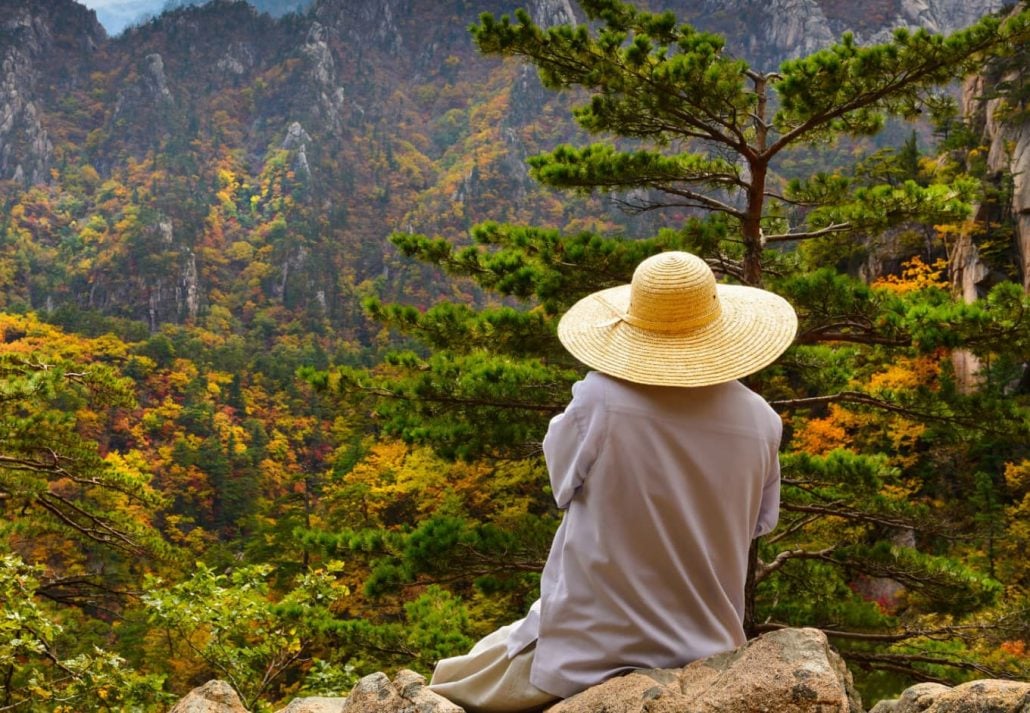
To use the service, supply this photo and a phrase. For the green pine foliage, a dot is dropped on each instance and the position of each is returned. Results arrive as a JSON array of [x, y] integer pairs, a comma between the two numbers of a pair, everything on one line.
[[877, 545], [175, 500]]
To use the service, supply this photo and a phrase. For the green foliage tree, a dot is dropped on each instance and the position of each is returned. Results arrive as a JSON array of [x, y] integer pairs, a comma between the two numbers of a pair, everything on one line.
[[36, 671], [703, 133], [671, 86], [54, 479], [239, 631]]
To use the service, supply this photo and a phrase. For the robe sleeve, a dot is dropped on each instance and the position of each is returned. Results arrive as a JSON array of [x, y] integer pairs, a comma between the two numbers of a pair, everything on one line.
[[573, 440], [769, 511]]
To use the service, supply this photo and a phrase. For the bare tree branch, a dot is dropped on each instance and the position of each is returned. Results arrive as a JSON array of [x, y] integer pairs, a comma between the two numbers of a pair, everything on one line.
[[828, 230], [765, 569]]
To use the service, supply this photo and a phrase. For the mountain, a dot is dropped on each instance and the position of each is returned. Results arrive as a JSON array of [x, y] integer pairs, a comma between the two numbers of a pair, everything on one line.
[[766, 33], [215, 160]]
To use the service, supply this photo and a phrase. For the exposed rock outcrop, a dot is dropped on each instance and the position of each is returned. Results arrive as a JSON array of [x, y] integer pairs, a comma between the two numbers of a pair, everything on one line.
[[212, 697], [297, 141], [552, 12], [365, 22], [786, 671], [797, 26], [315, 704], [781, 29], [238, 59], [25, 148], [407, 692], [146, 103], [988, 696], [1007, 133], [1010, 153], [322, 76]]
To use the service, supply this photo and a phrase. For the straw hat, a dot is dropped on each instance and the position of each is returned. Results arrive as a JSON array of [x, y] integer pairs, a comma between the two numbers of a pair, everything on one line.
[[673, 325]]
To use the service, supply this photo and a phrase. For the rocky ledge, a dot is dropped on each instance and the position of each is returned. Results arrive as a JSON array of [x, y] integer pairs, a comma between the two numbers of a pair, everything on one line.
[[786, 671]]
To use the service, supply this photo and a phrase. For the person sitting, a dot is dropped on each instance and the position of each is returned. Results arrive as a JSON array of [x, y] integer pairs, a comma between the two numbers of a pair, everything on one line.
[[666, 468]]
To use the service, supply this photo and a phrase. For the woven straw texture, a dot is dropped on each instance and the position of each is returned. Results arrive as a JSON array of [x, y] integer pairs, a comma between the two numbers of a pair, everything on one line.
[[675, 326]]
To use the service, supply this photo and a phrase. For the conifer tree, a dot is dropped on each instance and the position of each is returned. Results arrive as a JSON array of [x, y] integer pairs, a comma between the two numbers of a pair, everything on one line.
[[56, 482], [880, 444]]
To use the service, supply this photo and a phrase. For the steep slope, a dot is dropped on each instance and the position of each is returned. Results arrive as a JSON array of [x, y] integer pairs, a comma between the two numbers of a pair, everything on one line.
[[217, 159]]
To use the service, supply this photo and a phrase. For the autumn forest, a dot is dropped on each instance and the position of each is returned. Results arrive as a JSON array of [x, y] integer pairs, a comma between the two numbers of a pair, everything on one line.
[[278, 302]]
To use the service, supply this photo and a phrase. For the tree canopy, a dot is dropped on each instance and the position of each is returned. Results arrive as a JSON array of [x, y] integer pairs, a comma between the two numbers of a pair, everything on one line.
[[885, 453]]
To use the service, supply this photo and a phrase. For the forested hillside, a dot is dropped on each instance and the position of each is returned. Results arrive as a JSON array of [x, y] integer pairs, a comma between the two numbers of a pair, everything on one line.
[[278, 300]]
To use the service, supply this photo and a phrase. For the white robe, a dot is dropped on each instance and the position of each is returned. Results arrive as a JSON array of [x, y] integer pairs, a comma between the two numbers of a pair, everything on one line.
[[663, 488]]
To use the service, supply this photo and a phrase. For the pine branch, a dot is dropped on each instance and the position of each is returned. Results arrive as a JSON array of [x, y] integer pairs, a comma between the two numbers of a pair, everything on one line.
[[79, 590], [97, 529], [847, 514], [382, 392], [855, 397], [35, 465], [706, 201], [764, 569], [786, 237], [792, 201], [904, 78], [902, 663], [857, 330]]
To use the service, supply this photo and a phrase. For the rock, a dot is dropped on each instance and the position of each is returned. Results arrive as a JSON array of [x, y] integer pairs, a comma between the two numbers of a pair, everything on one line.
[[919, 697], [237, 60], [985, 696], [798, 26], [212, 697], [155, 79], [315, 704], [329, 100], [787, 671], [296, 137], [1008, 138], [548, 13], [26, 152], [407, 693], [297, 140], [914, 700]]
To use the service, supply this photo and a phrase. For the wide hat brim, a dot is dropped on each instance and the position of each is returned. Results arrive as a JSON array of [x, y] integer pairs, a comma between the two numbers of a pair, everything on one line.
[[754, 327]]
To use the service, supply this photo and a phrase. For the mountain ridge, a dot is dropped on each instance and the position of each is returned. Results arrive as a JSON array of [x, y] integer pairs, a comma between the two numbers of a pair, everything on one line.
[[213, 135]]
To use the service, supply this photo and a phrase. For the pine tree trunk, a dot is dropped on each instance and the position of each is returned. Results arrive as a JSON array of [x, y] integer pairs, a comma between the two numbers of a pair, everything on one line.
[[751, 225]]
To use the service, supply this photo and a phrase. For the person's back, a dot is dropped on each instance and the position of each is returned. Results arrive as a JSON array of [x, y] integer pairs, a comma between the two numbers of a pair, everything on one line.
[[667, 468], [664, 489]]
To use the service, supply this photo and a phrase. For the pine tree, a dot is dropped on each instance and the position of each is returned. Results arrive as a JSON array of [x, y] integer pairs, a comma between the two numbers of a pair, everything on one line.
[[56, 482], [880, 444]]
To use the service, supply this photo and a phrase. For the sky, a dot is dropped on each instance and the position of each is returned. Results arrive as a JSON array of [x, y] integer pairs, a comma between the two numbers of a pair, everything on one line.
[[116, 15]]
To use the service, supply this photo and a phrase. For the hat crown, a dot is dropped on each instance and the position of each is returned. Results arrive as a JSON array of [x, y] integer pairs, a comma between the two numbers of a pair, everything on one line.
[[673, 292]]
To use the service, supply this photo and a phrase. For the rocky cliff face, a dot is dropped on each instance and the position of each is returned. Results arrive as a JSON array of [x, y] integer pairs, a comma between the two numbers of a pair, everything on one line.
[[1003, 123], [30, 36], [1008, 136], [768, 33]]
